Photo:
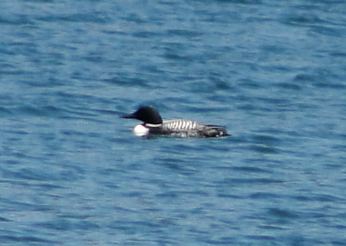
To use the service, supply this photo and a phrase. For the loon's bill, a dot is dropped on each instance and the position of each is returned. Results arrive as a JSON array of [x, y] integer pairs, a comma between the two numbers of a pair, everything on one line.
[[154, 125]]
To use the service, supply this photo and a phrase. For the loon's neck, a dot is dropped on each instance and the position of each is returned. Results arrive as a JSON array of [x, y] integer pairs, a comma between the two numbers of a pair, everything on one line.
[[152, 125]]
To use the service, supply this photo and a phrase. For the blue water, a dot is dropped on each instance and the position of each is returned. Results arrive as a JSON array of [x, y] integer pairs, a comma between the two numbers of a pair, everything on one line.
[[273, 72]]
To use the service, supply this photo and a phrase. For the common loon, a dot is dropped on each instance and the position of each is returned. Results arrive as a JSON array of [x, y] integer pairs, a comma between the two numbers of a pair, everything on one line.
[[153, 125]]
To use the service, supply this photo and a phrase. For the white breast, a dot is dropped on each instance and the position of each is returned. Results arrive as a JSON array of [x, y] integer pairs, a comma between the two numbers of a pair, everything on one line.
[[140, 131]]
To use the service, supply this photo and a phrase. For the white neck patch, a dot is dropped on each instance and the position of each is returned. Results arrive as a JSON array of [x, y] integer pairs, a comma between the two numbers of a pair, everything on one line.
[[140, 131]]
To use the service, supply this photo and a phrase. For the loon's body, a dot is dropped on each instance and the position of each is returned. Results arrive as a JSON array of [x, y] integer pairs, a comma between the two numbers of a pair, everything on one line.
[[154, 125]]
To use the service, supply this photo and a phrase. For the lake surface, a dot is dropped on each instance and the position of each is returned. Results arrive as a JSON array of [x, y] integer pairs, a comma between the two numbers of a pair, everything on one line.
[[273, 72]]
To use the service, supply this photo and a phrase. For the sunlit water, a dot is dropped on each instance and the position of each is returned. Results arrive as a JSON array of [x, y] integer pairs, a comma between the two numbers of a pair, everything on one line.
[[272, 72]]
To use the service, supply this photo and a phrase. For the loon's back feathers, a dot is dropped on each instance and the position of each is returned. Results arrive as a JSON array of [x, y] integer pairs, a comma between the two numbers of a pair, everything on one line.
[[177, 127], [180, 124], [192, 128]]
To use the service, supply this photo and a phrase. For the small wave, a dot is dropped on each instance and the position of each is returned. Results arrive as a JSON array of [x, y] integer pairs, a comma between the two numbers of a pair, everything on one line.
[[46, 111], [4, 112], [24, 239], [281, 213], [127, 81], [250, 181], [92, 18]]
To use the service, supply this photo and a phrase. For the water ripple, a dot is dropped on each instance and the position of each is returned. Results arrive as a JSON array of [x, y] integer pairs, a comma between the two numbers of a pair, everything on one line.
[[272, 73]]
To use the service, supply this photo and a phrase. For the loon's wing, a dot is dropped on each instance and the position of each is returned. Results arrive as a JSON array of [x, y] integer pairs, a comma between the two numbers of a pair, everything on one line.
[[214, 131]]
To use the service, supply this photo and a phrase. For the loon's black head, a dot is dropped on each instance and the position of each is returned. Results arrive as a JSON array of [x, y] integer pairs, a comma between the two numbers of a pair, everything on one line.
[[146, 114]]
